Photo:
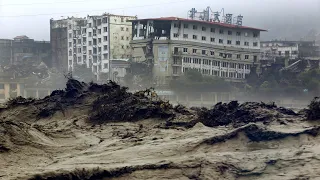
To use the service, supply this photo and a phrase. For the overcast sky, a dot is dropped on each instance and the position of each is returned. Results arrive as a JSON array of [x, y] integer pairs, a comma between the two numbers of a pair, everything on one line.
[[284, 19]]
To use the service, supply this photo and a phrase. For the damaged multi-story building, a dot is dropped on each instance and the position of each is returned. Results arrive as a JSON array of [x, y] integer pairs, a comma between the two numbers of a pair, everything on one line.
[[91, 41], [289, 52], [215, 48]]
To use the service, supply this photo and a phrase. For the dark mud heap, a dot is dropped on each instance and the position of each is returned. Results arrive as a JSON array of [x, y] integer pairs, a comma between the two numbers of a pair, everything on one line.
[[108, 102], [112, 103]]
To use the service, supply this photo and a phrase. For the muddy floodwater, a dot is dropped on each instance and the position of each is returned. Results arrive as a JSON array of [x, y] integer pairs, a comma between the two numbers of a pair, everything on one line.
[[90, 131]]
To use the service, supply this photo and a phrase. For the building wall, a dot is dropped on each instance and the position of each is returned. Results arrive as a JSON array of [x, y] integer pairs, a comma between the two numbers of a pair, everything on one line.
[[59, 44], [5, 51], [120, 36], [178, 53], [179, 30]]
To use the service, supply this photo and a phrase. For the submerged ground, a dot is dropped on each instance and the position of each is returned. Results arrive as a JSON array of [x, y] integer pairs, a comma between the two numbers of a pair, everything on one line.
[[102, 132]]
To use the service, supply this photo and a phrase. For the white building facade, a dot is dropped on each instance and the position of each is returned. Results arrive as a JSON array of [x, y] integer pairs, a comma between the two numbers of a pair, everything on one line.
[[214, 49], [90, 40]]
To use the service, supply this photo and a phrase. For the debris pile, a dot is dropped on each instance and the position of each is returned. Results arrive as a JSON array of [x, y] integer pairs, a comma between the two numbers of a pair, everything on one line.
[[116, 104], [234, 113], [313, 111]]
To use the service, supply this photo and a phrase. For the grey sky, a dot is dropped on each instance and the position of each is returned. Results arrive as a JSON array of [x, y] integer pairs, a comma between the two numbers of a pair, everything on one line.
[[282, 18]]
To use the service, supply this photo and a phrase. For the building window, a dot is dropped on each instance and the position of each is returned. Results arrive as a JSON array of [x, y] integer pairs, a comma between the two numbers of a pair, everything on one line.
[[175, 35], [195, 27], [99, 40], [105, 29], [255, 44], [246, 43], [84, 57], [229, 42], [212, 53], [194, 37], [105, 56], [99, 31], [122, 20], [204, 28], [70, 44], [90, 25], [185, 26], [70, 35], [255, 58], [255, 34], [238, 56], [221, 54], [185, 36], [194, 50], [79, 59], [221, 31], [246, 34], [105, 38], [246, 57], [90, 43], [237, 42], [185, 49], [105, 47], [122, 46], [204, 52], [122, 28], [221, 41], [229, 32], [90, 34], [105, 20], [105, 65], [79, 50], [90, 52], [203, 38], [229, 55], [122, 37], [213, 30]]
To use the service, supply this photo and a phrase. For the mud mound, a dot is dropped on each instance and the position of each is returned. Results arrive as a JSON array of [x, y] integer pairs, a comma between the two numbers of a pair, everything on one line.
[[313, 111], [234, 113], [13, 134], [257, 134]]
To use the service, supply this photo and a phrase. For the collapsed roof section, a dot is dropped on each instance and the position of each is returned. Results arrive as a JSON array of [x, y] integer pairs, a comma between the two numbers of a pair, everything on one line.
[[225, 25]]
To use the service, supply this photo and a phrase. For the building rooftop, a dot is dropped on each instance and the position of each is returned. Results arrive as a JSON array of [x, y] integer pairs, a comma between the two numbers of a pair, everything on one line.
[[199, 21]]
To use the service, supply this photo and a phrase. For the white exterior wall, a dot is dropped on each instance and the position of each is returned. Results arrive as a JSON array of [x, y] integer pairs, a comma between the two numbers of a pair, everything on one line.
[[208, 34], [120, 36], [232, 68]]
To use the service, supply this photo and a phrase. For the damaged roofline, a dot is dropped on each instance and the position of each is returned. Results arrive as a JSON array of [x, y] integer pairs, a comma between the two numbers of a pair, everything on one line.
[[199, 21]]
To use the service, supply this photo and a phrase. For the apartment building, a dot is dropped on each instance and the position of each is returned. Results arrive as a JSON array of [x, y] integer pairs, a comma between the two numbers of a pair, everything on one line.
[[92, 41], [176, 45]]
